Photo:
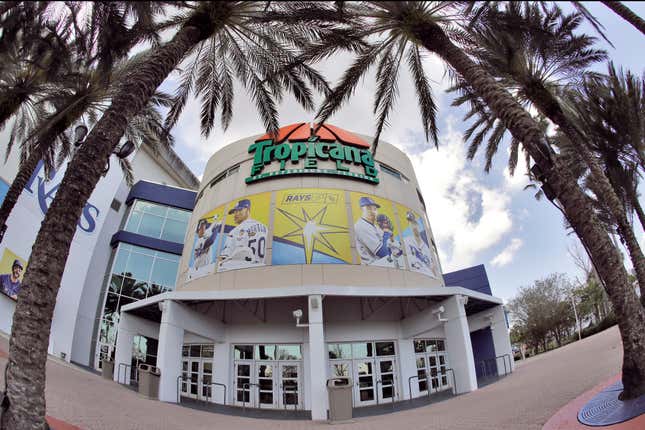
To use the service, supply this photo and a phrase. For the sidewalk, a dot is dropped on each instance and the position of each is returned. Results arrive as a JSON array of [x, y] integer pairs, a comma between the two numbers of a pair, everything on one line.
[[538, 388]]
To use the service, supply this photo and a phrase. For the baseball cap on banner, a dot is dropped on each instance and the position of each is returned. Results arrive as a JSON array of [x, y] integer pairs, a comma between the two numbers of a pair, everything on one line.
[[17, 263], [244, 203], [366, 201], [203, 222]]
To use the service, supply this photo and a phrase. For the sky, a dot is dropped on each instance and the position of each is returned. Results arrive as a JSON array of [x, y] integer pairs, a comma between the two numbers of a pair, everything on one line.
[[477, 218]]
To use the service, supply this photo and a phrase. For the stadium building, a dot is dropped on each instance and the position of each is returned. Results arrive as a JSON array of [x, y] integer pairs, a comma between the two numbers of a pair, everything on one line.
[[298, 259]]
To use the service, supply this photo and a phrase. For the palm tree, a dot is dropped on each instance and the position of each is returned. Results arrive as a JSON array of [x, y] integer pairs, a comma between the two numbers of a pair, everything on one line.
[[627, 14], [533, 51], [392, 28], [82, 86], [254, 50]]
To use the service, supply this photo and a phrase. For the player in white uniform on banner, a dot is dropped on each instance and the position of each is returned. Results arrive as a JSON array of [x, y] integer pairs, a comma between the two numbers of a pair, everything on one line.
[[376, 245], [246, 243], [419, 254], [206, 235]]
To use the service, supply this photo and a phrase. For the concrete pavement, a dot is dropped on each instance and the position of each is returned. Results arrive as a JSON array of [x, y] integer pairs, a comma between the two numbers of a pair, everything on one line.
[[524, 400]]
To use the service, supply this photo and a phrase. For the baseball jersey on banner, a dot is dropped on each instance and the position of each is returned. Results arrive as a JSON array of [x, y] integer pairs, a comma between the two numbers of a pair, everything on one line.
[[369, 240], [204, 244], [245, 246], [419, 256]]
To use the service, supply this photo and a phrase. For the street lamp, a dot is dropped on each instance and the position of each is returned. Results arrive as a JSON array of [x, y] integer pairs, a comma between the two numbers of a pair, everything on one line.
[[122, 152], [79, 135]]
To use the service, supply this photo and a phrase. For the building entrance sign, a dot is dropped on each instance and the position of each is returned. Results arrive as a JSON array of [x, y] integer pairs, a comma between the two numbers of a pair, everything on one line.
[[328, 151]]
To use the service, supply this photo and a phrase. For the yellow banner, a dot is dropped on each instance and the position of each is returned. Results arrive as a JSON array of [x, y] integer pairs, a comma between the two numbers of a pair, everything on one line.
[[310, 227], [244, 243]]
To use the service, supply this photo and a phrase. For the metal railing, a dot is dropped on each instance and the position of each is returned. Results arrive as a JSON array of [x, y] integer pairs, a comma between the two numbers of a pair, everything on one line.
[[284, 398], [380, 382], [428, 382], [484, 365], [216, 384]]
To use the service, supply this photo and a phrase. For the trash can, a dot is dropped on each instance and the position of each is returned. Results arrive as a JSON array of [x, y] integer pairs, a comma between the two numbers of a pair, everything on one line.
[[107, 369], [340, 399], [149, 381]]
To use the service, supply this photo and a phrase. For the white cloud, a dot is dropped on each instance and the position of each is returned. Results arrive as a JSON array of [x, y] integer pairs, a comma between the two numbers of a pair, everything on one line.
[[519, 180], [507, 254], [467, 217]]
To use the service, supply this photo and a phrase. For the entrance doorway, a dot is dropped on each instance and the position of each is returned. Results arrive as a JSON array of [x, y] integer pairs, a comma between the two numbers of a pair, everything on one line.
[[197, 371], [268, 376], [372, 367], [432, 365]]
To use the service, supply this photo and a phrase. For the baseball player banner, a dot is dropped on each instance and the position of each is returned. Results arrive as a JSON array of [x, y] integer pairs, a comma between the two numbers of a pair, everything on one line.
[[376, 236], [244, 242], [420, 254], [12, 268], [310, 227], [207, 238]]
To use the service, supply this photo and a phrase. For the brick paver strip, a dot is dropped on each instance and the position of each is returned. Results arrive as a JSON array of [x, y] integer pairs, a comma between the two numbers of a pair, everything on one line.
[[538, 388]]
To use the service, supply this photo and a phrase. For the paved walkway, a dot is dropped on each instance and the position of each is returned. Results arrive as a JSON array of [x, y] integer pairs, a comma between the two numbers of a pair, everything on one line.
[[525, 400]]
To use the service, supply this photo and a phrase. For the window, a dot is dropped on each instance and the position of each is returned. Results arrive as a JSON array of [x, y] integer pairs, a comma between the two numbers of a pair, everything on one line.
[[137, 273], [158, 221], [390, 171], [359, 350]]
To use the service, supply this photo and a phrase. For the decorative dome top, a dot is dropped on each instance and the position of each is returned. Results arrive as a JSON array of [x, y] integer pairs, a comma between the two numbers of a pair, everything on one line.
[[327, 133]]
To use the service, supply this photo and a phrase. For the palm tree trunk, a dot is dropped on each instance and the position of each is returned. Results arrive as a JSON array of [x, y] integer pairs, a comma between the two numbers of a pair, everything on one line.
[[626, 13], [548, 105], [24, 173], [37, 298], [575, 205]]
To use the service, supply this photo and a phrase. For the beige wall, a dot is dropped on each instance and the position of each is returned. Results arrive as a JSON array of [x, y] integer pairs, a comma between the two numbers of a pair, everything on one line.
[[234, 187]]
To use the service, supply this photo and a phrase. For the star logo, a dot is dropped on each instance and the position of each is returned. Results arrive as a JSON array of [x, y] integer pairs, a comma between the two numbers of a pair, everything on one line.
[[312, 231]]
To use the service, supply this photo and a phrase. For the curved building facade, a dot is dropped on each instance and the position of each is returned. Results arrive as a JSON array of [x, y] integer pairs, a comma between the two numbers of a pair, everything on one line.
[[306, 259]]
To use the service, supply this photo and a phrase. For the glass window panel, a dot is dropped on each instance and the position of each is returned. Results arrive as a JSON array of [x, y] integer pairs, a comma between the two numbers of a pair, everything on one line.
[[184, 351], [367, 395], [266, 398], [364, 368], [139, 290], [421, 373], [433, 361], [153, 344], [208, 351], [387, 392], [207, 368], [431, 346], [384, 348], [386, 366], [111, 305], [339, 350], [265, 352], [139, 266], [133, 221], [291, 398], [243, 396], [195, 350], [290, 372], [243, 352], [108, 333], [174, 231], [151, 225], [441, 345], [362, 350], [442, 359], [241, 382], [421, 363], [178, 214], [120, 260], [115, 284], [151, 208], [419, 345], [164, 272], [128, 287], [365, 381], [155, 289], [387, 379], [265, 384], [289, 352], [423, 385]]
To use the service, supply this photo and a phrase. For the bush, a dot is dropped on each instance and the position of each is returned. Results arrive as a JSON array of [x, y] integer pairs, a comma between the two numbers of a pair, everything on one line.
[[607, 322]]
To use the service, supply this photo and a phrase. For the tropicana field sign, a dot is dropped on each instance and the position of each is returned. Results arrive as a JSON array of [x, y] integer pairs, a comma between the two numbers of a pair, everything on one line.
[[299, 150]]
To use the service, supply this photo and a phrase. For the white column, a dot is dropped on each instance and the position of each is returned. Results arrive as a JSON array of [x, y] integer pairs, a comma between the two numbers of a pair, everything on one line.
[[408, 366], [317, 362], [222, 368], [501, 341], [124, 347], [171, 339], [458, 345]]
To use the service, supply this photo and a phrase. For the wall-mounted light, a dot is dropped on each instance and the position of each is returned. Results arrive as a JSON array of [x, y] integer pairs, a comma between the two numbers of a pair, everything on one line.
[[297, 314], [438, 312]]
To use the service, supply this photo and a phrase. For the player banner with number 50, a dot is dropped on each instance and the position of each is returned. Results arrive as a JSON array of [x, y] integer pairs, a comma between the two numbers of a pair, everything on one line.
[[244, 239]]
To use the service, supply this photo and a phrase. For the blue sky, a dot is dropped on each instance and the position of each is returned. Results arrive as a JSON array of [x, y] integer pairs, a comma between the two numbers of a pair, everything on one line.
[[476, 217]]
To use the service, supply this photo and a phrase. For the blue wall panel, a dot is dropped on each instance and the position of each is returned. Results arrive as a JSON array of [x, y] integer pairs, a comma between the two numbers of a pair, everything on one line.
[[146, 242], [163, 194], [474, 278]]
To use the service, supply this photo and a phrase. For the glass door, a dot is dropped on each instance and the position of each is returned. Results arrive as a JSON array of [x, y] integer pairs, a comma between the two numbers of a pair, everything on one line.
[[191, 376], [290, 385], [387, 376], [243, 387], [365, 377], [266, 385]]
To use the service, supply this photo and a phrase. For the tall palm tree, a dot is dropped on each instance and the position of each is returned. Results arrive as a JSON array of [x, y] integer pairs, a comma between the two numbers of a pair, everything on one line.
[[533, 51], [610, 110], [254, 49], [399, 26], [81, 87], [627, 14]]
